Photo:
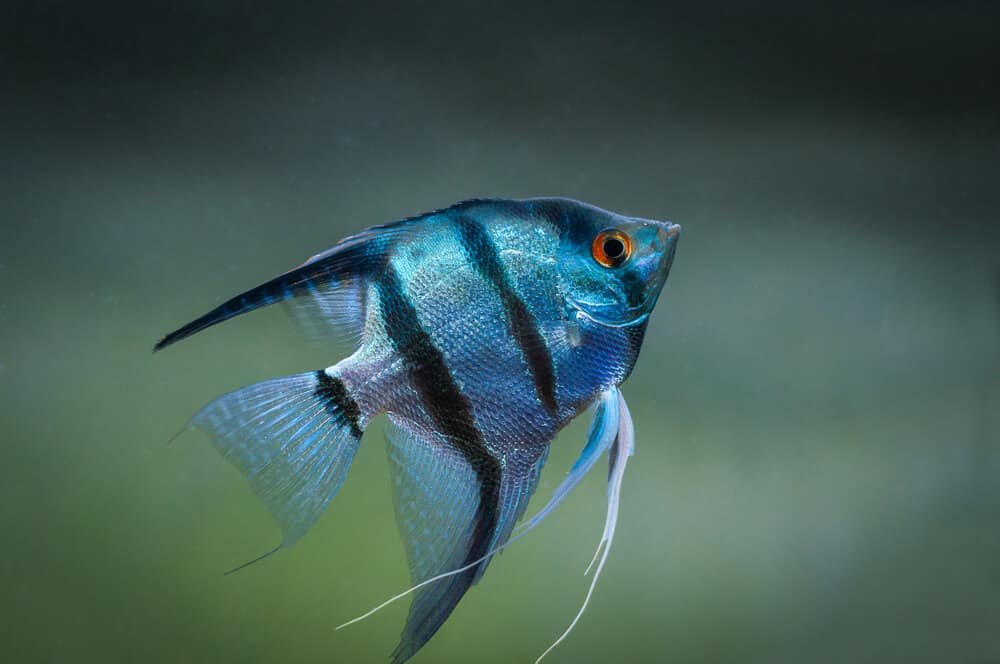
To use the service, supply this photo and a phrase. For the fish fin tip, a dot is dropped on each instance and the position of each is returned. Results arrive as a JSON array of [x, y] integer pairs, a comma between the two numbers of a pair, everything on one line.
[[161, 344], [399, 656], [183, 430], [259, 558], [618, 452]]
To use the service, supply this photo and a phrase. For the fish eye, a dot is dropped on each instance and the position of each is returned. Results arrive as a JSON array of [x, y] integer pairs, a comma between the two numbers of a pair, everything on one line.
[[611, 248]]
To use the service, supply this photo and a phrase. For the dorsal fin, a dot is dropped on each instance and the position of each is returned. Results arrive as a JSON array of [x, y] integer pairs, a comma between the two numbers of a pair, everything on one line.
[[330, 278], [323, 276]]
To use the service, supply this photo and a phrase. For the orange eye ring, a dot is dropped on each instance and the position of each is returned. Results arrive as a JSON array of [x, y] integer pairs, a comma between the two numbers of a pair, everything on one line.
[[611, 248]]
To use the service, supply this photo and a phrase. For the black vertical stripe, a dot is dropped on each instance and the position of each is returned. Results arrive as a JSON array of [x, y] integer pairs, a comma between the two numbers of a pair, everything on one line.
[[339, 402], [445, 403], [483, 254]]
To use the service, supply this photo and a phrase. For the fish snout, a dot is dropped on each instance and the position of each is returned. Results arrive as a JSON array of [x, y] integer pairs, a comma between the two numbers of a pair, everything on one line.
[[669, 231]]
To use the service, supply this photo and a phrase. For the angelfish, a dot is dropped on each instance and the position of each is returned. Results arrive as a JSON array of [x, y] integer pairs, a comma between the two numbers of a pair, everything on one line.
[[481, 330]]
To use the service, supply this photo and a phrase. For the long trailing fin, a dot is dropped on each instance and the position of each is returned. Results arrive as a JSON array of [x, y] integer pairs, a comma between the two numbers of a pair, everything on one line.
[[248, 563], [603, 431], [623, 448], [437, 495], [330, 285], [294, 438], [445, 523]]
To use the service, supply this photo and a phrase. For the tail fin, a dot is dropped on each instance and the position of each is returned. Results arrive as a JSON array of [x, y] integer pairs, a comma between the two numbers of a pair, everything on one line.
[[294, 439]]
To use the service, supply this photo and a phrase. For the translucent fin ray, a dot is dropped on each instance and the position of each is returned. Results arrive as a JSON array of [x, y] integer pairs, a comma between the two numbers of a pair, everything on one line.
[[331, 310], [291, 439], [602, 434], [603, 430], [437, 495], [326, 279]]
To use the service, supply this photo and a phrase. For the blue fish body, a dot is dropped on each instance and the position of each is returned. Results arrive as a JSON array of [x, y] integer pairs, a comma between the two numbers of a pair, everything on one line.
[[482, 330]]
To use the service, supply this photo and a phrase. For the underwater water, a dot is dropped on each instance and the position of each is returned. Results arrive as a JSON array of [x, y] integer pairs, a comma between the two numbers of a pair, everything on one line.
[[817, 402]]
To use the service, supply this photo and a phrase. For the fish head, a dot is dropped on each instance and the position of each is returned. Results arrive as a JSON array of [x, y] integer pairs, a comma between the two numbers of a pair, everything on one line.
[[612, 267]]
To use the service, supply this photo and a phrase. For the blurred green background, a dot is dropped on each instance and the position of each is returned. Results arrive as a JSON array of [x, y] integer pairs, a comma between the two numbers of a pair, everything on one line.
[[818, 399]]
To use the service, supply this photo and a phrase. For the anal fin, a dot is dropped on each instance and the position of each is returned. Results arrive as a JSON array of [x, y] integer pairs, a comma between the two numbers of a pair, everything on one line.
[[440, 513]]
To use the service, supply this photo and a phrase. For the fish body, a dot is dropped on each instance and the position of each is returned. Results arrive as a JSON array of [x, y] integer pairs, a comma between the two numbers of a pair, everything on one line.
[[482, 330]]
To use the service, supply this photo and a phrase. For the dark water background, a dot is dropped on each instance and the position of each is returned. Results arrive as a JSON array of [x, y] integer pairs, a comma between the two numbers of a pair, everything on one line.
[[817, 403]]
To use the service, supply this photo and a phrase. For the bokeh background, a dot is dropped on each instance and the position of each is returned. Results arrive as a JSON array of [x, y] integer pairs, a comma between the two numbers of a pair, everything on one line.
[[817, 403]]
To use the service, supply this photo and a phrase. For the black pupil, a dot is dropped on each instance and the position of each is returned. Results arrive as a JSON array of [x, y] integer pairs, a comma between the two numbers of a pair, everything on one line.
[[614, 248]]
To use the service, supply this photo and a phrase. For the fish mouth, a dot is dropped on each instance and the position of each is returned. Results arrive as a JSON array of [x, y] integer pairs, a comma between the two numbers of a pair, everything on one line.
[[669, 231], [629, 317], [622, 322]]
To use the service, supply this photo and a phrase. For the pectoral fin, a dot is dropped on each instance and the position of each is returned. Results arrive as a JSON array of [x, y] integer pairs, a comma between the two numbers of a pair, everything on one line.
[[621, 450], [603, 432]]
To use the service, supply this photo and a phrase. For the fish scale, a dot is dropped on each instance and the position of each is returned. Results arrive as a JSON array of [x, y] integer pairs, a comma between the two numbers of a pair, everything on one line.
[[482, 330]]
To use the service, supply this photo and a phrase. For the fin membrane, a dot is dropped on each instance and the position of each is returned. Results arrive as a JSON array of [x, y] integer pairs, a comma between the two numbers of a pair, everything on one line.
[[437, 496], [331, 310], [330, 284], [622, 448], [293, 438], [602, 435], [601, 438]]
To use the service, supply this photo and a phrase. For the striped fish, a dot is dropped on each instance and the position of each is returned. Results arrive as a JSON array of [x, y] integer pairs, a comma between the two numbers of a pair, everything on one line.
[[481, 330]]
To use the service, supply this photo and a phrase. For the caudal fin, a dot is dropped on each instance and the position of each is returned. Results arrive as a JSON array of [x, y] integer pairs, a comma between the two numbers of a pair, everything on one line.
[[294, 439]]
